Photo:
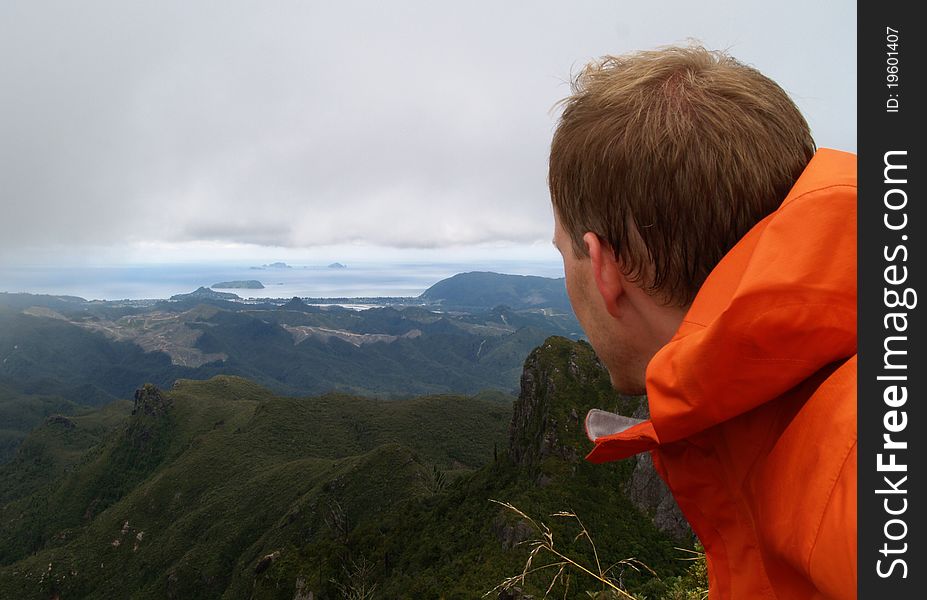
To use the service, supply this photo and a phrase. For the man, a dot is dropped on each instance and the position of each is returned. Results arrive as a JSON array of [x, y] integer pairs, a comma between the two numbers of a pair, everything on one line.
[[710, 256]]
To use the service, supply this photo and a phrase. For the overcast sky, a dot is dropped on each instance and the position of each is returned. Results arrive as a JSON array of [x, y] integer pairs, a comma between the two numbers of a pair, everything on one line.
[[180, 130]]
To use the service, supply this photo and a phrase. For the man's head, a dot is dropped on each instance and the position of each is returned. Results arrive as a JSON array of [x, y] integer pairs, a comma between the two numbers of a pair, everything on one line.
[[661, 162]]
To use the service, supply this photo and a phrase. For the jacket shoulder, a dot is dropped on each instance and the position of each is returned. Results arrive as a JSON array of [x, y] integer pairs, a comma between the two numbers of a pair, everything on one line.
[[829, 172]]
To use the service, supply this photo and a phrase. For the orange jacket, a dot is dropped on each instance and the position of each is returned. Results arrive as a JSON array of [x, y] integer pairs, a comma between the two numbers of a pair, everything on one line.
[[753, 401]]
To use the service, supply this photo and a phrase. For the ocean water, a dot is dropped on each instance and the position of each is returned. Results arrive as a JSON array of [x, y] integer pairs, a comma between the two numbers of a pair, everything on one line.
[[138, 282]]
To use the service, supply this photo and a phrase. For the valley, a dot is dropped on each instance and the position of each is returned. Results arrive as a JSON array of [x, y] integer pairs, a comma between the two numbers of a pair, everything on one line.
[[210, 447]]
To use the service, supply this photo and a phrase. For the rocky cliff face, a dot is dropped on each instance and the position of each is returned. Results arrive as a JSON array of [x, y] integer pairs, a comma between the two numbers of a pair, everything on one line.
[[148, 431], [562, 380], [649, 493], [150, 401]]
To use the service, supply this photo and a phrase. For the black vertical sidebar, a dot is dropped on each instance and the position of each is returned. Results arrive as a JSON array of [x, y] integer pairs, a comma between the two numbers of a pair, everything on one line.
[[892, 271]]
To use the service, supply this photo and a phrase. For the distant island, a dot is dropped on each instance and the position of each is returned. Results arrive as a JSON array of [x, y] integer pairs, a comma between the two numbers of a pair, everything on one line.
[[276, 265], [249, 284], [337, 265]]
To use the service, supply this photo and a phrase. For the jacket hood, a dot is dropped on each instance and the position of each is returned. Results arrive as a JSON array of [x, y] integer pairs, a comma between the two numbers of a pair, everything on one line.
[[780, 306]]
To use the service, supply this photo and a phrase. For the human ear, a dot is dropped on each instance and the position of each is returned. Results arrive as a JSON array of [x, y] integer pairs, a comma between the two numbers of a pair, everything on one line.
[[606, 271]]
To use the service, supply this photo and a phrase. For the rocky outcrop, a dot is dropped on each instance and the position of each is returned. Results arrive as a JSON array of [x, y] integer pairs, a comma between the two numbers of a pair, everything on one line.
[[561, 381], [265, 562], [301, 592], [650, 495], [59, 420], [150, 401], [150, 427], [510, 533], [530, 434]]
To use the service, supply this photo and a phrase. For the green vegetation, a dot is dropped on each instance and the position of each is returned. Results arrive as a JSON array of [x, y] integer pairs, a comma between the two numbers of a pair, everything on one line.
[[226, 455], [205, 293], [56, 446], [93, 353], [58, 354], [484, 290], [221, 488], [251, 466], [47, 356], [20, 413]]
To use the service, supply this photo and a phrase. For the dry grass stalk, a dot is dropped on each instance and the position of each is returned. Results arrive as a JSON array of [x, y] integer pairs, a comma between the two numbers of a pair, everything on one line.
[[562, 562]]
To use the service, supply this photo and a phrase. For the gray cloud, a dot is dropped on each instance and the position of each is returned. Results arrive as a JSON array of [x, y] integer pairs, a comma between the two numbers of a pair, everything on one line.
[[295, 124]]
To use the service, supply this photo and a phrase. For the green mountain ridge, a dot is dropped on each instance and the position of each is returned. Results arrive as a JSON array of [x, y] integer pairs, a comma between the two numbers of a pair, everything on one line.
[[59, 354], [486, 289], [222, 489], [205, 293], [78, 350]]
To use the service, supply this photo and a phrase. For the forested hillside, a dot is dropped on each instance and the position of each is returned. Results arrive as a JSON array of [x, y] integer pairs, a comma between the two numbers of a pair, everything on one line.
[[221, 488]]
